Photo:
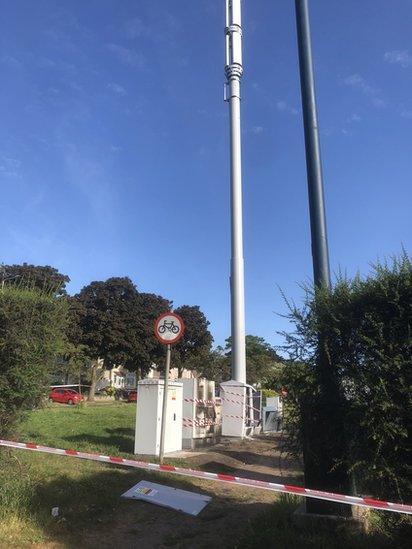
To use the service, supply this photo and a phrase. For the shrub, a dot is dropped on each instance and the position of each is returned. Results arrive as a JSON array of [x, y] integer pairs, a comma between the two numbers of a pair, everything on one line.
[[31, 334], [110, 390], [366, 327]]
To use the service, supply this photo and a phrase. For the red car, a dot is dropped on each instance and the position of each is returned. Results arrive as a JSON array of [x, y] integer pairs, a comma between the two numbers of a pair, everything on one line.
[[132, 396], [65, 396]]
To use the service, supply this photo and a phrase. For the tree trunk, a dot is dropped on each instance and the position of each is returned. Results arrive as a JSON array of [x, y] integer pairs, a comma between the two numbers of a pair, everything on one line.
[[93, 381]]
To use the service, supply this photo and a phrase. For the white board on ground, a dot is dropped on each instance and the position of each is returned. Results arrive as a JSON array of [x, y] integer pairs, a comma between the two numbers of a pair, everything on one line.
[[165, 496]]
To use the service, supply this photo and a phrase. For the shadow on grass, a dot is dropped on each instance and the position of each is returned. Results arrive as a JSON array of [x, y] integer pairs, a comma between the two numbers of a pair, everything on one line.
[[122, 439], [126, 431], [217, 467], [250, 458]]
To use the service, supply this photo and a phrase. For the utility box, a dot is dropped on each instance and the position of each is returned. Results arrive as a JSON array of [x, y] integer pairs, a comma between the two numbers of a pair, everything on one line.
[[201, 413], [275, 402], [238, 418], [149, 417], [272, 415]]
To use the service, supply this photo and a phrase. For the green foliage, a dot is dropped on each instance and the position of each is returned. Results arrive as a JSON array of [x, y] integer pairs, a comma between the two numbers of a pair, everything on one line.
[[32, 327], [366, 327], [267, 393], [110, 390], [43, 278], [146, 349], [262, 361], [115, 322], [196, 341], [213, 365], [264, 365]]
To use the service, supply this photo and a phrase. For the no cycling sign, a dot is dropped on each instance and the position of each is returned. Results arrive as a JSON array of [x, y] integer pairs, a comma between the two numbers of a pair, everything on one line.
[[169, 328]]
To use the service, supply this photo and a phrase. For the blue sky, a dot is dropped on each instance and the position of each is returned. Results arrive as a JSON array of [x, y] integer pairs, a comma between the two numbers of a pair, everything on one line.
[[114, 144]]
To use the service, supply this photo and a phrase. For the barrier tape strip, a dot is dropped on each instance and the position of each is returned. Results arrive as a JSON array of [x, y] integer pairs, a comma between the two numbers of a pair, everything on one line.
[[264, 485], [200, 401], [241, 403], [200, 422], [213, 402], [237, 394]]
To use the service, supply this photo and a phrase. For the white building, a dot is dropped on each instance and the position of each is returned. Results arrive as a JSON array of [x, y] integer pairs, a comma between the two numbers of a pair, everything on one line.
[[118, 377]]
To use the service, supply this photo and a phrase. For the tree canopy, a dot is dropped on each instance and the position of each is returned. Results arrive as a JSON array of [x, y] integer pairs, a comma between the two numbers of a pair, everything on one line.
[[146, 348], [44, 278], [196, 341], [263, 364], [115, 322], [262, 361]]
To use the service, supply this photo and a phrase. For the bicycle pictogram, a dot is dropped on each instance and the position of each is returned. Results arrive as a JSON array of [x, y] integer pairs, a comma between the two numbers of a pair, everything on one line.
[[169, 326]]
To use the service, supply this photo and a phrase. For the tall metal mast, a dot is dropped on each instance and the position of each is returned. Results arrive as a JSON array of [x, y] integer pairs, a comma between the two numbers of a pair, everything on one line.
[[234, 70], [320, 252]]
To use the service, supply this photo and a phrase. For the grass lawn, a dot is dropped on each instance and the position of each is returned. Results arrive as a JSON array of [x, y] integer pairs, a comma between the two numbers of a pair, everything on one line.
[[87, 493], [106, 428], [32, 483]]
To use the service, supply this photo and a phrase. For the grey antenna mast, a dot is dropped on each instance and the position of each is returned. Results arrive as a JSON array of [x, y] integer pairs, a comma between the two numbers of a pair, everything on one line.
[[234, 70]]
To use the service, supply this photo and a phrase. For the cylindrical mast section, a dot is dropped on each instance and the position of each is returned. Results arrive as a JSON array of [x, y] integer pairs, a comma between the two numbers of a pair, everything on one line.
[[234, 70], [320, 252]]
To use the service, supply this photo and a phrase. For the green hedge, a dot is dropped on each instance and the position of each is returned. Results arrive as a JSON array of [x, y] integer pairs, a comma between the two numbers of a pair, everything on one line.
[[366, 327], [32, 326]]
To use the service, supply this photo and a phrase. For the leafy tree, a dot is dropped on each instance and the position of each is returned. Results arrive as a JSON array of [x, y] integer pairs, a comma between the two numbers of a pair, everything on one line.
[[146, 349], [115, 323], [73, 364], [262, 361], [32, 335], [213, 365], [104, 315], [196, 341], [44, 278]]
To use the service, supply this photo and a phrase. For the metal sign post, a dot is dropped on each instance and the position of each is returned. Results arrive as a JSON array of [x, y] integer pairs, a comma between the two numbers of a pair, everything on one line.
[[168, 329], [164, 407]]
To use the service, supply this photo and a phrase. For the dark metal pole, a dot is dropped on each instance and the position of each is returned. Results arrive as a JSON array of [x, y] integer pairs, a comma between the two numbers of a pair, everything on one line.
[[320, 462], [320, 253]]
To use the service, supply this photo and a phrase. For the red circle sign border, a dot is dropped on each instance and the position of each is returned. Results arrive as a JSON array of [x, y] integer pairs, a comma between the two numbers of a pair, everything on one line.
[[179, 335]]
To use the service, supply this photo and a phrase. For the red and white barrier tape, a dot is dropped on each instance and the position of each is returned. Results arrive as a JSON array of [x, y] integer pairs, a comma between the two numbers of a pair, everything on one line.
[[199, 422], [241, 403], [340, 498], [213, 402], [200, 401], [236, 394], [264, 485]]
